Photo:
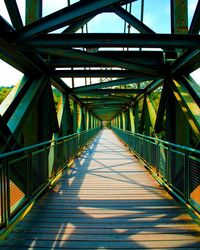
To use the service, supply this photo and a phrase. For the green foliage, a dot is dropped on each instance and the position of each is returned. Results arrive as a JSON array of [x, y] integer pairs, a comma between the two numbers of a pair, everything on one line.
[[56, 97], [4, 91]]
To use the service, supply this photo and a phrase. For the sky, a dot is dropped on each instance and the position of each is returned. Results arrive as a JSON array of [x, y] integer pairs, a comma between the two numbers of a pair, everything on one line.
[[156, 16]]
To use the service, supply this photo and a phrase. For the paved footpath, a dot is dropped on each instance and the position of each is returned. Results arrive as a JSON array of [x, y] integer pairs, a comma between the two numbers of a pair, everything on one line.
[[107, 200]]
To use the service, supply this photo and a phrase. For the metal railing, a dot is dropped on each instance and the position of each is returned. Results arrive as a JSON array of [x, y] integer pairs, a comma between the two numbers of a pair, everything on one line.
[[27, 172], [177, 167]]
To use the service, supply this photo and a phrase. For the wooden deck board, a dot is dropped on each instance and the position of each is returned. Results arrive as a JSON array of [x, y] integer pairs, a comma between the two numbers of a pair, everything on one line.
[[107, 200]]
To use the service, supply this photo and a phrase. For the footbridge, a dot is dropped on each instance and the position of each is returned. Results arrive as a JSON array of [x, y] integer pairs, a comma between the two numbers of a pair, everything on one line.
[[100, 140]]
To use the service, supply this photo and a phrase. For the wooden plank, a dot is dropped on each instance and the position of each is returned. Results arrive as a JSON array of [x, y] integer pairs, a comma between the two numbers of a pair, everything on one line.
[[107, 200]]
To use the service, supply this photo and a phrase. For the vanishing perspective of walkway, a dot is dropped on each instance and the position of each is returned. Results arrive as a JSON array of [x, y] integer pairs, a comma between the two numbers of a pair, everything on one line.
[[106, 200]]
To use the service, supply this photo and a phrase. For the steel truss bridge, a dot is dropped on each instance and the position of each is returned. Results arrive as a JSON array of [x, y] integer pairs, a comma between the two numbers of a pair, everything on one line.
[[144, 93]]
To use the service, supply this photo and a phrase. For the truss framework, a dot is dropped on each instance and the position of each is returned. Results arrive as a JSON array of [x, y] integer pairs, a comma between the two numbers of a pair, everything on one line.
[[130, 75]]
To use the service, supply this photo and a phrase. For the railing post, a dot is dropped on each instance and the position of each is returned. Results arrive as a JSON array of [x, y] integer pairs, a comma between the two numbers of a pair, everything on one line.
[[169, 164], [187, 177], [29, 176], [5, 192]]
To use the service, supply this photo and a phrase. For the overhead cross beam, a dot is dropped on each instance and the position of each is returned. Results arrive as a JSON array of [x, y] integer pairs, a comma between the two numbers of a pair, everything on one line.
[[109, 91], [156, 58], [91, 57], [108, 84], [66, 16], [96, 40]]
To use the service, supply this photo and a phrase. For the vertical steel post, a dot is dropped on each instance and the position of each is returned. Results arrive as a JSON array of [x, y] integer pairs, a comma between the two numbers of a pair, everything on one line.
[[33, 11], [75, 117]]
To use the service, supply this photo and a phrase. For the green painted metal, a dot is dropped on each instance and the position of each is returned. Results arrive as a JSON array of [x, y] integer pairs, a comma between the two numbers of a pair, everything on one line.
[[44, 114], [26, 103], [100, 73], [117, 40], [108, 84], [75, 118], [161, 112], [34, 184], [15, 57], [181, 183], [187, 62], [77, 25], [195, 24], [14, 13], [151, 111], [170, 104], [179, 16], [156, 58], [137, 24], [8, 142], [33, 11], [136, 117], [187, 104], [66, 16], [65, 118], [91, 57], [28, 114]]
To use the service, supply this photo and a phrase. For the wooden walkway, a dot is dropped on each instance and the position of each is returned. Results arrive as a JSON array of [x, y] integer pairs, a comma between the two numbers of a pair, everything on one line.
[[107, 200]]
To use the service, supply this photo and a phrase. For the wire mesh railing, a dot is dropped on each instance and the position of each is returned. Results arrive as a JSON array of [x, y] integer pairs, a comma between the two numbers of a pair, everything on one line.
[[178, 167], [27, 172]]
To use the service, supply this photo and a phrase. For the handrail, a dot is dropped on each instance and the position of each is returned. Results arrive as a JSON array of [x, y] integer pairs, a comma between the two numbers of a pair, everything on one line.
[[162, 141], [29, 148], [26, 172], [176, 167]]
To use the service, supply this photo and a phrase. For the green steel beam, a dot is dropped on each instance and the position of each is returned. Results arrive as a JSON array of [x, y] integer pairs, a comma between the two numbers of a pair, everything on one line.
[[146, 118], [170, 104], [91, 57], [65, 119], [99, 73], [75, 117], [13, 56], [187, 62], [109, 84], [156, 58], [132, 120], [77, 25], [43, 114], [151, 111], [187, 104], [33, 11], [133, 21], [179, 17], [150, 88], [195, 24], [161, 112], [66, 16], [105, 98], [136, 115], [12, 100], [96, 92], [192, 86], [21, 111], [109, 92], [8, 142], [98, 40], [59, 84], [14, 14]]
